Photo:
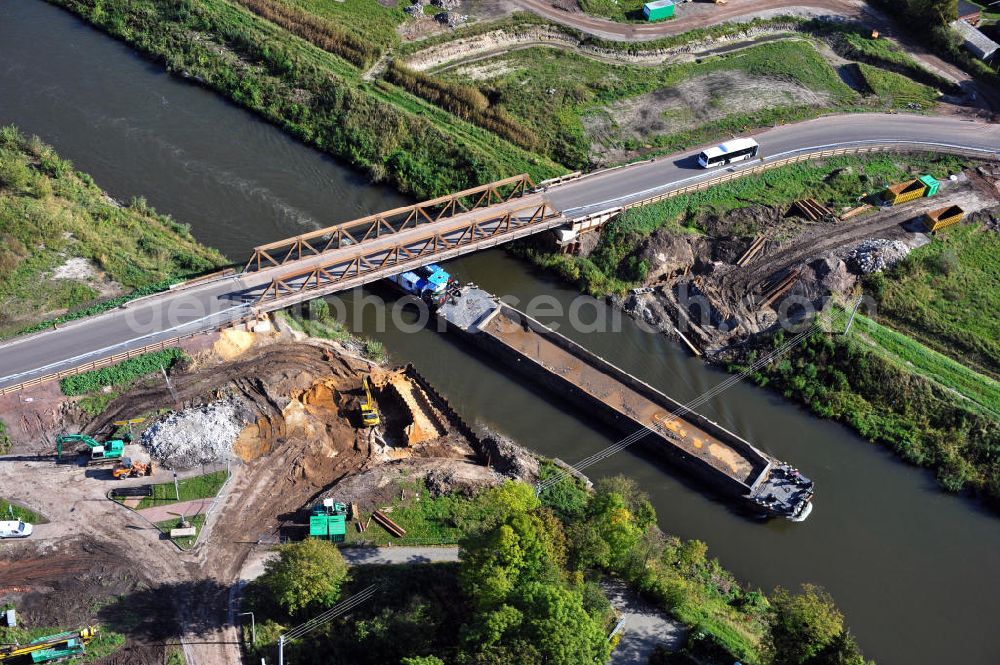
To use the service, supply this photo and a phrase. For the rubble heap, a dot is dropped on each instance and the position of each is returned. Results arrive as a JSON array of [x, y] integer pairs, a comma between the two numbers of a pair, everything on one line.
[[874, 255], [200, 435]]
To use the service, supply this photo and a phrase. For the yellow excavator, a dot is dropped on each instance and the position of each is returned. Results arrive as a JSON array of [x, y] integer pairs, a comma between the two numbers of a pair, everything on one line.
[[49, 648], [369, 411]]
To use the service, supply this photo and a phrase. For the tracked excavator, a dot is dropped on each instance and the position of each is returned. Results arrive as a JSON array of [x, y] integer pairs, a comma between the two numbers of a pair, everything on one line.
[[110, 450], [50, 648], [369, 411]]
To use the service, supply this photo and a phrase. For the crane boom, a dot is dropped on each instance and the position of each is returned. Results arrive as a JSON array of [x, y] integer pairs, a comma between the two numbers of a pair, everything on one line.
[[73, 641]]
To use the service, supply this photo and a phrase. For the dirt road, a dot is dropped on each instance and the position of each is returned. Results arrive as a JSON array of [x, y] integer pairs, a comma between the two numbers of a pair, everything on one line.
[[694, 16], [688, 19]]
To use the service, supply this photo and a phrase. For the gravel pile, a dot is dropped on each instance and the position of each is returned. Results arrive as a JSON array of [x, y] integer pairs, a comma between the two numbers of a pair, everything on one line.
[[875, 255], [201, 435]]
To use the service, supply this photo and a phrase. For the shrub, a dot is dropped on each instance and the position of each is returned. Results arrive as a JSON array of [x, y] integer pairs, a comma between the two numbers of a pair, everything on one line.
[[307, 574], [121, 374], [465, 101], [5, 442]]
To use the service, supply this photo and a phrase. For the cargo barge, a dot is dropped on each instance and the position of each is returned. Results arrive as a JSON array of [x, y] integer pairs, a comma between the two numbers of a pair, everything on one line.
[[696, 444]]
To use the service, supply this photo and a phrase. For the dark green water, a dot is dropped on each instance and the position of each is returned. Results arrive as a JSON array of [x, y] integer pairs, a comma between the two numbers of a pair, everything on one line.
[[916, 572]]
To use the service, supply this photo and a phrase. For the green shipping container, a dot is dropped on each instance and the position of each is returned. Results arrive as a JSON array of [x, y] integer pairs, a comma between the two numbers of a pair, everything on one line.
[[932, 184], [331, 525], [656, 11]]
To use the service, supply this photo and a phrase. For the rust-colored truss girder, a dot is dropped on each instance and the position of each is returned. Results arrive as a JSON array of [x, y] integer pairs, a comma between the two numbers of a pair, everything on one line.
[[281, 252], [397, 258]]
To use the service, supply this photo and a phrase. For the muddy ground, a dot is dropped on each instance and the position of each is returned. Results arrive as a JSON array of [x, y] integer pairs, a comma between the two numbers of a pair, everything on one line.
[[696, 288], [298, 401]]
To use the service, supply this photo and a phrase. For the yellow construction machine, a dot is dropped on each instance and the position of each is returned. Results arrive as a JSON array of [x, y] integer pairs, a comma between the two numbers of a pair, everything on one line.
[[129, 468], [49, 648], [369, 411]]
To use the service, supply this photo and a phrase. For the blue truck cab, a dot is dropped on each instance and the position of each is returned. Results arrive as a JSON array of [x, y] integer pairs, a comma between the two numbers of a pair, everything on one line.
[[427, 282]]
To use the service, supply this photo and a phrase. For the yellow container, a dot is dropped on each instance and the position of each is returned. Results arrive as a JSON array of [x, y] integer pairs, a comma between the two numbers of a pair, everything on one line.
[[935, 220], [905, 191]]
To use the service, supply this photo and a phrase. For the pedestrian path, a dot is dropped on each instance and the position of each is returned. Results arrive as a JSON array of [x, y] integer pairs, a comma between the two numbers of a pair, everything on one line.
[[172, 510]]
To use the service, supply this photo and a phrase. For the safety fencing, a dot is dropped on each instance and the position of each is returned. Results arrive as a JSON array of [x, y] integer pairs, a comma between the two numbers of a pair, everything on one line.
[[809, 156], [794, 157]]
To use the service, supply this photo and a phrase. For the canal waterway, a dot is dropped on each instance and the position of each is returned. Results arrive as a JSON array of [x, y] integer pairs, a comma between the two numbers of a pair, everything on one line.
[[917, 572]]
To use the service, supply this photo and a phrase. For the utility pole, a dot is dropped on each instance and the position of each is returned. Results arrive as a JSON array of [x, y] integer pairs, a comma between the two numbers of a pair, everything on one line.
[[177, 488], [281, 650], [854, 311], [170, 386], [253, 627]]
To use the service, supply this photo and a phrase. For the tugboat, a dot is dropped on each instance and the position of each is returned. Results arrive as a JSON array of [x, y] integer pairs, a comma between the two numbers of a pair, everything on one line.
[[783, 491]]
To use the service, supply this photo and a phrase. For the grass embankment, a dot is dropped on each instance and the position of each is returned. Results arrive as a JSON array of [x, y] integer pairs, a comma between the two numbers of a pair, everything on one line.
[[853, 41], [315, 94], [12, 511], [982, 391], [838, 182], [428, 519], [884, 393], [100, 386], [318, 321], [184, 542], [51, 214], [945, 294], [895, 89], [103, 645], [204, 486], [573, 102]]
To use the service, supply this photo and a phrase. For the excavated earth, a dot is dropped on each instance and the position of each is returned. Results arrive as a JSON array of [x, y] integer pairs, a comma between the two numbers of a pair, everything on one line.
[[696, 285], [295, 409]]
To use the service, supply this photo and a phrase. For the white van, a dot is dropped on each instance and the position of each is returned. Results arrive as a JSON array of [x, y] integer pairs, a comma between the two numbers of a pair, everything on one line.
[[15, 529]]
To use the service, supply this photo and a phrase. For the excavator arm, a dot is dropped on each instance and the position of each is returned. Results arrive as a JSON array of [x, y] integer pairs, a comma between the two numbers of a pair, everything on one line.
[[74, 438]]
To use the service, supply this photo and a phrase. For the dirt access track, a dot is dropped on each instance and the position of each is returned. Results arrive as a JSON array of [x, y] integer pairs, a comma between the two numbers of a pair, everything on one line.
[[690, 16], [98, 562]]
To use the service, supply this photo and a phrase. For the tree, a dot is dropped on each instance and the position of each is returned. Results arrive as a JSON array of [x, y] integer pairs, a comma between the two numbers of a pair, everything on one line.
[[305, 574], [517, 551], [937, 12], [557, 624], [804, 624], [843, 650], [421, 660], [526, 611]]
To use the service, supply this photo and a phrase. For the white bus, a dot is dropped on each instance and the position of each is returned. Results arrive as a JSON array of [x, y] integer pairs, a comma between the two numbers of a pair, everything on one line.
[[730, 151]]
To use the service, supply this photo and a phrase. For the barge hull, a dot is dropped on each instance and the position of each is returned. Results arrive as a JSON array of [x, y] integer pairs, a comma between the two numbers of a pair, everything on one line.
[[723, 460]]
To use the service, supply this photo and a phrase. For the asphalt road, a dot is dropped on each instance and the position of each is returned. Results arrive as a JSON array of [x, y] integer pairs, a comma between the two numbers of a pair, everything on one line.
[[210, 305], [361, 556]]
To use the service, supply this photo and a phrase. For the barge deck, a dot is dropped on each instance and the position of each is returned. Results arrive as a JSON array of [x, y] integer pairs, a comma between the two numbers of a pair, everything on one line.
[[701, 446]]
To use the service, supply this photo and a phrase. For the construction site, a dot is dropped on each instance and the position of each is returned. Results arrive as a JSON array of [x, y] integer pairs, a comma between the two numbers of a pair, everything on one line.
[[715, 290], [292, 418]]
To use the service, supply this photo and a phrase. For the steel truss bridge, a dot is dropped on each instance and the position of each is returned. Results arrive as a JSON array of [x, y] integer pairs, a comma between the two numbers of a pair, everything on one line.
[[346, 255]]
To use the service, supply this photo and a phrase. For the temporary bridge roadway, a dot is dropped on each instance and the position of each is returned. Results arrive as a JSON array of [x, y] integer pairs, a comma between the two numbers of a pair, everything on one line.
[[346, 255]]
